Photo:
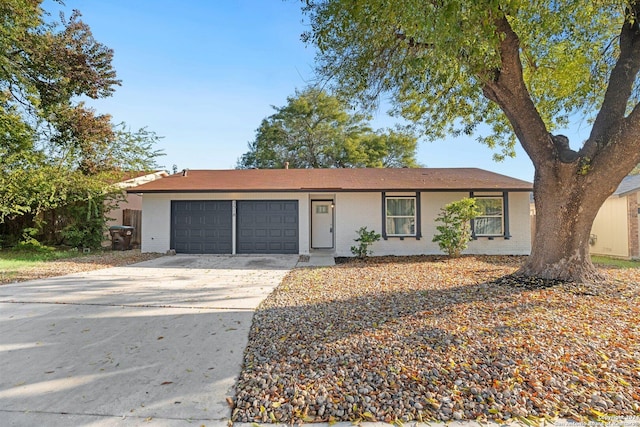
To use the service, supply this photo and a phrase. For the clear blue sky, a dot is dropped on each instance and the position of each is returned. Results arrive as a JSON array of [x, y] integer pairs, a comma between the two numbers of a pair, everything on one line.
[[203, 74]]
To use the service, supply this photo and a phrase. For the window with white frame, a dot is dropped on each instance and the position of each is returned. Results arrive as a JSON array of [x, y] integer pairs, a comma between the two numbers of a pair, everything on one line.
[[400, 216], [490, 222]]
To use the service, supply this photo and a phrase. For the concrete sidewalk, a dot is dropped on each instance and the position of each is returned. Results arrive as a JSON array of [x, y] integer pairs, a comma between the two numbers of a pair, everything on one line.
[[317, 259], [155, 343]]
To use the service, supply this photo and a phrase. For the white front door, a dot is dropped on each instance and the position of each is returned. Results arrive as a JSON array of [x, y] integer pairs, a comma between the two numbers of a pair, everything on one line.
[[321, 224]]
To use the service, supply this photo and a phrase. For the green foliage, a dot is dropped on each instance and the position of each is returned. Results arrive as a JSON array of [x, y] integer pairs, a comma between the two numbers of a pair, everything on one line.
[[89, 235], [29, 243], [86, 222], [314, 130], [455, 231], [584, 165], [365, 239], [32, 245], [58, 157], [434, 59]]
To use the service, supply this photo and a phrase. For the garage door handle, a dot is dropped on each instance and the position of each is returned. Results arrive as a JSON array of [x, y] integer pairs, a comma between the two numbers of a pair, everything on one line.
[[330, 229]]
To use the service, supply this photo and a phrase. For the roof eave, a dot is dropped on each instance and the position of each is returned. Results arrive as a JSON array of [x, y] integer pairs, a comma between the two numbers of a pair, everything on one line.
[[332, 190]]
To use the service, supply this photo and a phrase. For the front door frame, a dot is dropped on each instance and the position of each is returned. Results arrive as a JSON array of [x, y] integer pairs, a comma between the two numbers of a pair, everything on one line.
[[331, 202]]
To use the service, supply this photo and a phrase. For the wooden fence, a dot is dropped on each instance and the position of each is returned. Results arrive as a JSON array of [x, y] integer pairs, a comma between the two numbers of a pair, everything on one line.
[[133, 218]]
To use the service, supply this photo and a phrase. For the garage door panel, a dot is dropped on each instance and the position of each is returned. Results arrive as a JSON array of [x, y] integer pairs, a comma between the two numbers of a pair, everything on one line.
[[246, 233], [181, 233], [201, 226], [182, 220], [216, 234], [212, 248], [267, 226]]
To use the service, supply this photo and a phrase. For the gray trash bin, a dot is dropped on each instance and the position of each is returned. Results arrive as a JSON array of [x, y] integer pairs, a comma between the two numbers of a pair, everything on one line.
[[121, 237]]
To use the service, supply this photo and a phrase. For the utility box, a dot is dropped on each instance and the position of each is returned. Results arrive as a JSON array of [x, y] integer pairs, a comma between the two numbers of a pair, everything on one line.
[[121, 237]]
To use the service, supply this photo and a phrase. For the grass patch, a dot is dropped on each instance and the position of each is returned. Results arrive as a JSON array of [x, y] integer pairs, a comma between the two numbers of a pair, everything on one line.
[[614, 262], [12, 260]]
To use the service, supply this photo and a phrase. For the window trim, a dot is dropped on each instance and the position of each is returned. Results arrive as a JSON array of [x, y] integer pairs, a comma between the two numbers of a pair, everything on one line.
[[505, 216], [416, 216]]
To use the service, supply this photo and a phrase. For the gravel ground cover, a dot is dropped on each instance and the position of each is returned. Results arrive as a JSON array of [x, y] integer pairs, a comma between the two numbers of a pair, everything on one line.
[[95, 261], [427, 338]]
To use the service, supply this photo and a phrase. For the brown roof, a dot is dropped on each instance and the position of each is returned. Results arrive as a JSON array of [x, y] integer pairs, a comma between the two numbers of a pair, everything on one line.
[[385, 179]]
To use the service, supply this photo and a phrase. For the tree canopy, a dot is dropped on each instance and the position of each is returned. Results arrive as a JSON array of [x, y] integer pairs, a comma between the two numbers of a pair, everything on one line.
[[54, 149], [524, 68], [437, 58], [315, 130]]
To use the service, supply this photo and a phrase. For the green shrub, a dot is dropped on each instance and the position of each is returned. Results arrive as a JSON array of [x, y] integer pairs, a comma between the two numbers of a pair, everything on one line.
[[365, 239], [29, 243], [88, 235], [455, 231]]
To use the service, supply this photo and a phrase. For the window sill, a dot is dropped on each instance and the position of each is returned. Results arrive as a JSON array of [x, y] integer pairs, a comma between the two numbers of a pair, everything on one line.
[[397, 236]]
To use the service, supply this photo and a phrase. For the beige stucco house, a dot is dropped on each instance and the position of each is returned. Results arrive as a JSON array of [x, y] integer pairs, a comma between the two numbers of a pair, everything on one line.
[[132, 202], [301, 211], [615, 229]]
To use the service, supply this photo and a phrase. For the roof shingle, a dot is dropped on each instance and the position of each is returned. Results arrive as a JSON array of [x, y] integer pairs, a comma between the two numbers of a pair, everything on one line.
[[629, 184], [335, 180]]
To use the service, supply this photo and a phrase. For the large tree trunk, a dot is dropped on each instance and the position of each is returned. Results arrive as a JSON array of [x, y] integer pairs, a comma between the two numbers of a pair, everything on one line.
[[565, 209], [570, 186]]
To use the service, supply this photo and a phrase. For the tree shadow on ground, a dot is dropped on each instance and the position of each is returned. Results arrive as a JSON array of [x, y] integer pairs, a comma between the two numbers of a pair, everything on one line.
[[453, 342]]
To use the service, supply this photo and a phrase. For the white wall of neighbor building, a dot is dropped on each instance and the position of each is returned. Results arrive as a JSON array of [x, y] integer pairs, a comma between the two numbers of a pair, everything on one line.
[[610, 229], [352, 210]]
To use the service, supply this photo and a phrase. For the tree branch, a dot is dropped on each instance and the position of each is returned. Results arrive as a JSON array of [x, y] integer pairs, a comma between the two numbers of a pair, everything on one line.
[[411, 41], [506, 87], [620, 83]]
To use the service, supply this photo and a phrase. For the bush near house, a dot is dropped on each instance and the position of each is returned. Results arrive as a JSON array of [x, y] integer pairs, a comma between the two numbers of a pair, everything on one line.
[[455, 231], [365, 239]]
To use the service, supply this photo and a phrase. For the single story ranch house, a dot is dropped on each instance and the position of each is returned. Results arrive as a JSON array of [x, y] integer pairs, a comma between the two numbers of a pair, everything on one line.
[[302, 211]]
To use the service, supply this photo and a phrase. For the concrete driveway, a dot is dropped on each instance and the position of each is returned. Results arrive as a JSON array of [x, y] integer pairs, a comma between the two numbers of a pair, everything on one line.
[[155, 343]]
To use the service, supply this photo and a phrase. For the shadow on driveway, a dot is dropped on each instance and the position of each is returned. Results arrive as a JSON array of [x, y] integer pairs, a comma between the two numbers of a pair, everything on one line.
[[147, 341]]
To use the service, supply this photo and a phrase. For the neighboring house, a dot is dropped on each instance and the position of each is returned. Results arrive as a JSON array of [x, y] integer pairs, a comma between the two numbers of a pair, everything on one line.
[[615, 229], [122, 211], [300, 211]]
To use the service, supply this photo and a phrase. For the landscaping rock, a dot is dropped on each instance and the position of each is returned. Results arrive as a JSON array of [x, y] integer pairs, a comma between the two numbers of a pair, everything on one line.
[[430, 338]]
